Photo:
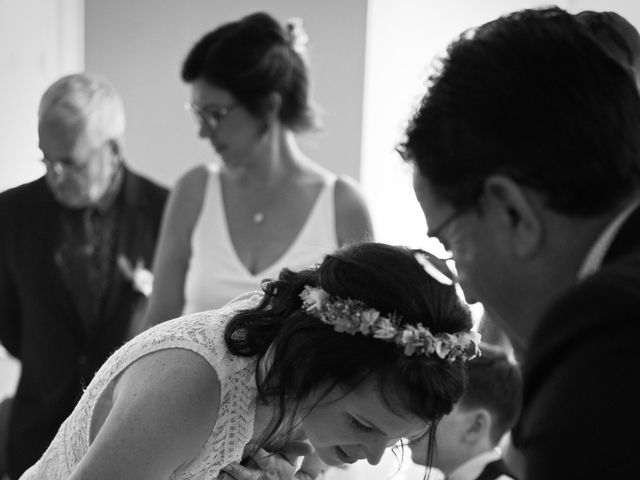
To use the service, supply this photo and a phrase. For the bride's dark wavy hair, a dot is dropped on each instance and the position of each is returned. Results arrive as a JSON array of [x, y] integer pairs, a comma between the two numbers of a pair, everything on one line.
[[308, 354]]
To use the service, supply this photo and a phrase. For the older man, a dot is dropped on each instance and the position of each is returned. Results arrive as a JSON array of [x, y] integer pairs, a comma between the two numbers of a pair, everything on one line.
[[74, 249], [527, 155]]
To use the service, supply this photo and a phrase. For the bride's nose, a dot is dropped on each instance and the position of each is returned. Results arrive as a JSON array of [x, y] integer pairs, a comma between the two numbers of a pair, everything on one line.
[[376, 447]]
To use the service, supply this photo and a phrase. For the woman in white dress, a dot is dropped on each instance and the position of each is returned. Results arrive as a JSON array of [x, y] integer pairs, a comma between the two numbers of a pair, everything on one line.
[[267, 205], [351, 357]]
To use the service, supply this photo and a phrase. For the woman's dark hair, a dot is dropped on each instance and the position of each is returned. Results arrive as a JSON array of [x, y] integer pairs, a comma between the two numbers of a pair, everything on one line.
[[308, 354], [252, 58]]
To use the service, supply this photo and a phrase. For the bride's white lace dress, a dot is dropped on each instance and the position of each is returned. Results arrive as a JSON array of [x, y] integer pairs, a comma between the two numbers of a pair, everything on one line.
[[202, 333]]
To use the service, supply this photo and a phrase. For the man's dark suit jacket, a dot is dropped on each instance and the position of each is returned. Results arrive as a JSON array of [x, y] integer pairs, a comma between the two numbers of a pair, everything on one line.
[[581, 411], [39, 324]]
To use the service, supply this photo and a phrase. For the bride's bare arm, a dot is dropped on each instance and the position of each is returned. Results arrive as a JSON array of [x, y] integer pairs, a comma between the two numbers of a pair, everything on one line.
[[164, 408]]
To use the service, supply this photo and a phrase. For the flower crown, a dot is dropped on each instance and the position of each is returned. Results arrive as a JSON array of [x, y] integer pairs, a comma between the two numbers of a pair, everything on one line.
[[353, 316]]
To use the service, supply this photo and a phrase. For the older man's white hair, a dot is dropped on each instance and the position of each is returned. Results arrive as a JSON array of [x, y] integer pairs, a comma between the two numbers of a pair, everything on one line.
[[87, 101]]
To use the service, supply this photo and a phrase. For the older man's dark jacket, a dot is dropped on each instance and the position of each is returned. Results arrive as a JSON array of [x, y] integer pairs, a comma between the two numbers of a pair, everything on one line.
[[39, 323]]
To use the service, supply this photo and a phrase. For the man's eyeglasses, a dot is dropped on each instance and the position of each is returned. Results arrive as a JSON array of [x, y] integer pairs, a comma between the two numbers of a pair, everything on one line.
[[209, 114], [63, 166], [71, 166], [435, 232]]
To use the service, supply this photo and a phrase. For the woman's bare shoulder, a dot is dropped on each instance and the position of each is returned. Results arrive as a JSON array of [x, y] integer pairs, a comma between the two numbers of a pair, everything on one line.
[[353, 219], [192, 184], [186, 199], [165, 405]]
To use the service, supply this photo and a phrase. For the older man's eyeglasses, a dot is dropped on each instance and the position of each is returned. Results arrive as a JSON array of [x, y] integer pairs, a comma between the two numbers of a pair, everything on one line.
[[74, 166], [209, 114], [60, 167]]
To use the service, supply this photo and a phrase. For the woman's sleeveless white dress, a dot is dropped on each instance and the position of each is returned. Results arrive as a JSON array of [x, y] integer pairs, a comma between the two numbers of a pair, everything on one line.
[[216, 274], [202, 333]]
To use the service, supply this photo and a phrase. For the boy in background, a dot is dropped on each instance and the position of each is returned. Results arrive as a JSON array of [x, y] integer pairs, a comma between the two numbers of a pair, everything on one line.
[[467, 439]]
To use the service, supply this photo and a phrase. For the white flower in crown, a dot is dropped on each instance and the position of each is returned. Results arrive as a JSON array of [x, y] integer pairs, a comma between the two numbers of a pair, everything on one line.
[[429, 343], [343, 325], [385, 329], [444, 344], [415, 339], [313, 298], [409, 340], [408, 335], [368, 320], [469, 342]]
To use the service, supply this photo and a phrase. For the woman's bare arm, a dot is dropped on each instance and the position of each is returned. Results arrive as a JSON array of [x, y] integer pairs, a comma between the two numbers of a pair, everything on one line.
[[353, 221], [164, 409], [173, 252]]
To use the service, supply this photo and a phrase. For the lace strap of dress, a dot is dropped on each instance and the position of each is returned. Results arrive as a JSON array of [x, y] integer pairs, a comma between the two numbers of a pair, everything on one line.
[[202, 333]]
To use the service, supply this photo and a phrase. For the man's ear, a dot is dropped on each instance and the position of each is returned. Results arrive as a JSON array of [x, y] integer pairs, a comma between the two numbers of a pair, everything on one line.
[[115, 147], [518, 213], [478, 426]]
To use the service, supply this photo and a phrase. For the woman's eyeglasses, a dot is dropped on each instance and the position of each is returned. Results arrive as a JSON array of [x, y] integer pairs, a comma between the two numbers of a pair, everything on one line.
[[209, 114]]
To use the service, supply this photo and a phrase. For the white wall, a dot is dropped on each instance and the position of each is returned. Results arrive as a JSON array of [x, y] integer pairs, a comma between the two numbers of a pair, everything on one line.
[[629, 9], [40, 40], [403, 37], [140, 46]]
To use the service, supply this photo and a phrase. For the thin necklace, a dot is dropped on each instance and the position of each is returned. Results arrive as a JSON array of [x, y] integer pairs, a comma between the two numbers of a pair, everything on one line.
[[259, 215]]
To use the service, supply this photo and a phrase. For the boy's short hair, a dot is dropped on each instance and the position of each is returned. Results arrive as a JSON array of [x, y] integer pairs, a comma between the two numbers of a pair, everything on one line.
[[495, 383]]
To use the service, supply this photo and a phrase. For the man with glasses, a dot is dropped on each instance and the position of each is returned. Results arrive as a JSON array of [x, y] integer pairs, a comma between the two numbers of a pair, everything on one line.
[[75, 249], [527, 156]]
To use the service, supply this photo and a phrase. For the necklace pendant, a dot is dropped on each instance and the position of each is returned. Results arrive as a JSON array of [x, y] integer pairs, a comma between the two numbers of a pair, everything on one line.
[[258, 217]]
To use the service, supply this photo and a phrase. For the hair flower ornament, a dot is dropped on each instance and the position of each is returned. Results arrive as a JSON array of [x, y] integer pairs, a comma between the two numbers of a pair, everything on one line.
[[354, 317], [296, 35]]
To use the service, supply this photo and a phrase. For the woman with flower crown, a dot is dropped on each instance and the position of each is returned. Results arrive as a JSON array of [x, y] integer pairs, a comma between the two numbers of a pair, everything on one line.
[[353, 356], [265, 204]]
